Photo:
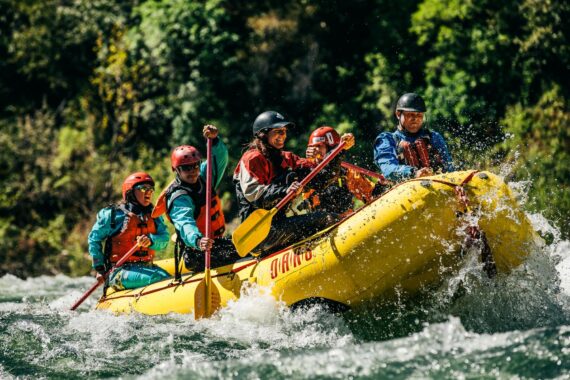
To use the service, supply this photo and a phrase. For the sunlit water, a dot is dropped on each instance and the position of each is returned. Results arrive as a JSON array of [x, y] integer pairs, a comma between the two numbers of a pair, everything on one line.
[[515, 326]]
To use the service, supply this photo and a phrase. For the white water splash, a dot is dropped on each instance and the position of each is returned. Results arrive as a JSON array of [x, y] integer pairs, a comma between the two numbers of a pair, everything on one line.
[[558, 250], [258, 320], [562, 250], [258, 329]]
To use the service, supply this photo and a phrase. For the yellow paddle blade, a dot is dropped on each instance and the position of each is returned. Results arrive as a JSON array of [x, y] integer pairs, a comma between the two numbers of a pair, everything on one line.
[[253, 230], [205, 306]]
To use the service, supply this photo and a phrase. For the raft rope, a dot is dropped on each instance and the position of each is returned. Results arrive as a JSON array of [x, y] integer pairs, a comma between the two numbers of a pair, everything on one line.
[[191, 279], [474, 234]]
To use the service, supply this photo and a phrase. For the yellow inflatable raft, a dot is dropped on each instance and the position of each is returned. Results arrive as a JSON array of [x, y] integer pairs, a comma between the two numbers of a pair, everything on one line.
[[407, 239]]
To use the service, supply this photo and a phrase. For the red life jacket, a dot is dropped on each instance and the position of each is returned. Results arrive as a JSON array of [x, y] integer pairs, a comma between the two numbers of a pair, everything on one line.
[[122, 242], [177, 189], [420, 154]]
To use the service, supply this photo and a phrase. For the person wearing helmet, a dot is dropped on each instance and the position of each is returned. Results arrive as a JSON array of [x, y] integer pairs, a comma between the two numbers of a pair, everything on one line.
[[412, 150], [341, 184], [184, 202], [120, 226], [266, 173]]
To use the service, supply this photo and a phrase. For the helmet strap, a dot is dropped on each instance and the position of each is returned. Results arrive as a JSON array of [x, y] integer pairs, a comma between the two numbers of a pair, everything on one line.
[[400, 121], [130, 198]]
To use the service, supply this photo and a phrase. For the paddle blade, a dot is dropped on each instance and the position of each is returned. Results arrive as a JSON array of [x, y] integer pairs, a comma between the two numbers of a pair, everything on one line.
[[201, 300], [252, 231]]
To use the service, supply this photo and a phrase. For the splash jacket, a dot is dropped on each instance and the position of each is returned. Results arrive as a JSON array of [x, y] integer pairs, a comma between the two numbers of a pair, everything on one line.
[[186, 208], [399, 154], [117, 227], [197, 193], [185, 204], [120, 234], [261, 183]]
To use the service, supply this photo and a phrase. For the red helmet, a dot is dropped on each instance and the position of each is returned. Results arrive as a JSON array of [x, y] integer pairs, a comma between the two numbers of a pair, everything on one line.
[[135, 179], [324, 135], [184, 155]]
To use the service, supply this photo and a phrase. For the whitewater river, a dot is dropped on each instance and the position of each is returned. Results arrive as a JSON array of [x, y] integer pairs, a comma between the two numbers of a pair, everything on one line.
[[515, 326]]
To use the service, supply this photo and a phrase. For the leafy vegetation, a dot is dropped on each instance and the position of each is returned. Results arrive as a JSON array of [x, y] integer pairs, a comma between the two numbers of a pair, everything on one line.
[[91, 90]]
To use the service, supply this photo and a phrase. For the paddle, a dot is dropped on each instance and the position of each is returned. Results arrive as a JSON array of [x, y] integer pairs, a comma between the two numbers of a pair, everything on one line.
[[203, 302], [255, 228], [207, 275], [367, 172], [102, 279]]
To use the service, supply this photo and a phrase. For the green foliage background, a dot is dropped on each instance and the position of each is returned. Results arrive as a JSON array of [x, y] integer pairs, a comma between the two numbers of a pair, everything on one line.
[[91, 90]]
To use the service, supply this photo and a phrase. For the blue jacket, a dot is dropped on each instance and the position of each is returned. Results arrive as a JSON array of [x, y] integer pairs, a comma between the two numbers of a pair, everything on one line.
[[181, 211], [102, 230], [386, 153]]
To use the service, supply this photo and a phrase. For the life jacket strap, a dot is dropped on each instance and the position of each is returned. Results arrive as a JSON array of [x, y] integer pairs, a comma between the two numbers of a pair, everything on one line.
[[423, 152], [410, 156]]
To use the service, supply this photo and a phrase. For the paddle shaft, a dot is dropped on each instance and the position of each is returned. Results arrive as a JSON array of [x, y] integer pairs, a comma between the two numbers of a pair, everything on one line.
[[208, 199], [367, 172], [290, 195], [104, 277], [207, 275]]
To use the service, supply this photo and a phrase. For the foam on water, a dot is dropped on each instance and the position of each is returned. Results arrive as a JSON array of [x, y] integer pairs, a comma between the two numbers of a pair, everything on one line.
[[467, 335], [258, 320], [439, 350]]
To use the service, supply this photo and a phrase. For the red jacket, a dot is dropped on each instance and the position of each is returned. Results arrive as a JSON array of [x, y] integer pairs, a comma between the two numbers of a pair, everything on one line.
[[262, 184]]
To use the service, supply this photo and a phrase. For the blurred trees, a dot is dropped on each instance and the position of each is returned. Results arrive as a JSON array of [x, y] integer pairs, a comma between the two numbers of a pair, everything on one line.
[[91, 90]]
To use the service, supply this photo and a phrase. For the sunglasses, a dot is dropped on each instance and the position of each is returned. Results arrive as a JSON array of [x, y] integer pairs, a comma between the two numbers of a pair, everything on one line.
[[144, 188], [187, 168]]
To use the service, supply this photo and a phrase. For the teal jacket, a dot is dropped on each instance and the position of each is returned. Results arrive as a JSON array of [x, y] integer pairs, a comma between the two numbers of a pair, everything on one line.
[[181, 210], [102, 230]]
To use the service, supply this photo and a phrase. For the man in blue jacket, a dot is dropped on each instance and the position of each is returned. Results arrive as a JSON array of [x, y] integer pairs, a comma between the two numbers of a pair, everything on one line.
[[412, 150]]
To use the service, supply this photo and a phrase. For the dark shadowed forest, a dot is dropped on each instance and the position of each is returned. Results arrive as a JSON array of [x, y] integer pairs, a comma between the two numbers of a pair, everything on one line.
[[92, 90]]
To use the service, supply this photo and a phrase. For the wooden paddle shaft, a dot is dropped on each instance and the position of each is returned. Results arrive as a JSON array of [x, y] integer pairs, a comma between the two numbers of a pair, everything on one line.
[[208, 198], [102, 278], [207, 275]]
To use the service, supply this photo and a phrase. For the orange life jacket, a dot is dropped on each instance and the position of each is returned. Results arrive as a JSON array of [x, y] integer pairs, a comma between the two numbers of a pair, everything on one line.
[[122, 242], [360, 186], [352, 182], [420, 154], [177, 189]]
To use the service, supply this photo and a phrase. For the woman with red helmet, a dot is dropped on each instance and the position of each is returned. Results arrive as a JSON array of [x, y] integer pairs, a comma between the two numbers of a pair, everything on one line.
[[335, 195], [119, 227], [184, 202], [264, 176]]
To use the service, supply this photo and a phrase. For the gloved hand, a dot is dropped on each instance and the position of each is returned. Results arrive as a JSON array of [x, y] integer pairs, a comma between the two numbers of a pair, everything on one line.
[[101, 269], [291, 177], [379, 189]]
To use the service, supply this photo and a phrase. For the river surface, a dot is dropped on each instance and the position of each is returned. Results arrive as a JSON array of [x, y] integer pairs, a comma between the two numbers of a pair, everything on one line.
[[515, 326]]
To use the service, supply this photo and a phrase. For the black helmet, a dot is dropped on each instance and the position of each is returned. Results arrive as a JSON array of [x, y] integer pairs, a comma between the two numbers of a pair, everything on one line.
[[411, 102], [270, 120]]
